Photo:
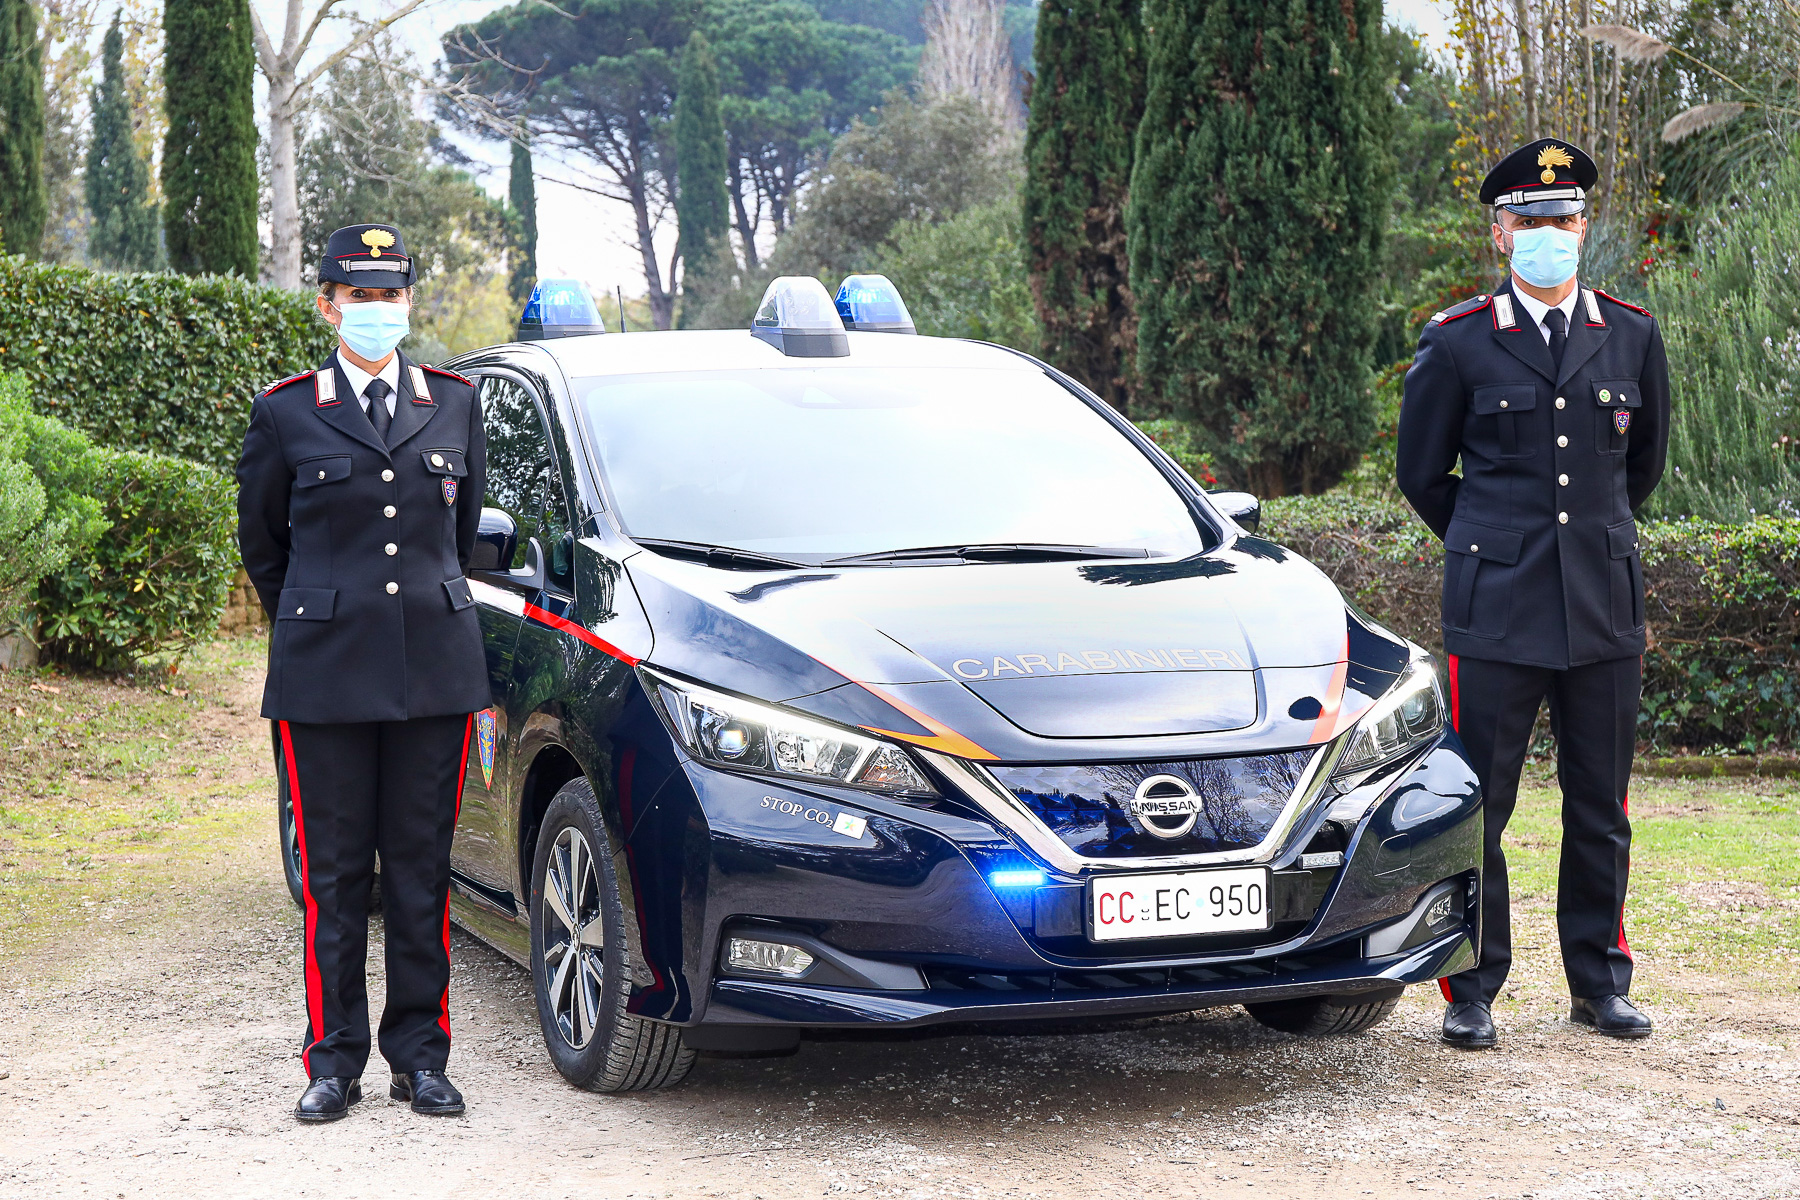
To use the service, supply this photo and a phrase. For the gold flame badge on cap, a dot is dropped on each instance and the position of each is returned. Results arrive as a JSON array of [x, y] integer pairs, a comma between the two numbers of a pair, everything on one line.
[[377, 239], [1549, 158]]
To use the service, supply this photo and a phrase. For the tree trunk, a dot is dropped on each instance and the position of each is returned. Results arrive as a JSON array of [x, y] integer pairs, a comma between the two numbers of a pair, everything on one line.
[[662, 302], [284, 184], [746, 227], [1528, 65]]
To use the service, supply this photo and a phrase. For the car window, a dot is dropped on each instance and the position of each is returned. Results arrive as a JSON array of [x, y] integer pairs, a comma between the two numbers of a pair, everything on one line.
[[827, 462], [521, 475]]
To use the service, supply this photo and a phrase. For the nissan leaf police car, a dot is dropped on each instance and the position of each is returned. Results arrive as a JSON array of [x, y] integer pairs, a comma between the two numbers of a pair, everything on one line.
[[850, 679]]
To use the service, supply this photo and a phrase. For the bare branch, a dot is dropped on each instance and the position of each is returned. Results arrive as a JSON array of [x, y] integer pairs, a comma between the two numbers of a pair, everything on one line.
[[369, 30], [1698, 118], [1632, 45], [265, 49]]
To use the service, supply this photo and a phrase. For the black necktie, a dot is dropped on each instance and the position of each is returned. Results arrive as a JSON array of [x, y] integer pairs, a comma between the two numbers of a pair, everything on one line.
[[380, 417], [1559, 334]]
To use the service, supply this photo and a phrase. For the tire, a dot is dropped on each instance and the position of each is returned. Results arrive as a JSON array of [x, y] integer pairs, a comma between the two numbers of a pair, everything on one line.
[[1326, 1016], [581, 986]]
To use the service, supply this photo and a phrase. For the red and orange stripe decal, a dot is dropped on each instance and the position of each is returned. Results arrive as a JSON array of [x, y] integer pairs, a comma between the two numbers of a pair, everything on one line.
[[563, 625]]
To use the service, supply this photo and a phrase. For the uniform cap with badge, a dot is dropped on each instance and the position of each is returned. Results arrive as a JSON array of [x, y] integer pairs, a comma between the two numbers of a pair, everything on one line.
[[368, 256], [1547, 178]]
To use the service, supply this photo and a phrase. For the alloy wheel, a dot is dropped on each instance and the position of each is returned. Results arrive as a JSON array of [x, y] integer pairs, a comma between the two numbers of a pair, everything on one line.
[[574, 937]]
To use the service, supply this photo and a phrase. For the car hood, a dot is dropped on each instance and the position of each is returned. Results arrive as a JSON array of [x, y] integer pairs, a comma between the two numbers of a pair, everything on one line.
[[1247, 645]]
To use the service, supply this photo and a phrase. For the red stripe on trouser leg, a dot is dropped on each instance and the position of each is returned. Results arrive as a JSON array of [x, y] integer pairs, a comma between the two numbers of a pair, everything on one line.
[[1444, 987], [1625, 949], [1455, 694], [462, 773], [315, 992]]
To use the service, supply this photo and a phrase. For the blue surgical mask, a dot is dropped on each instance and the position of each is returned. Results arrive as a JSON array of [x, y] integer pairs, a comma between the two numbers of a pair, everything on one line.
[[1545, 257], [373, 328]]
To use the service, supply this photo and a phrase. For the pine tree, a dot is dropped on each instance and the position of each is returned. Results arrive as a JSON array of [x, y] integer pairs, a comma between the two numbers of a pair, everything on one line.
[[209, 154], [1259, 198], [702, 205], [123, 234], [522, 193], [1085, 107], [24, 200]]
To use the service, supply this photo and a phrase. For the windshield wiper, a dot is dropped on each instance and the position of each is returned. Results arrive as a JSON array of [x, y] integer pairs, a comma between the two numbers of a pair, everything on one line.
[[994, 552], [728, 557]]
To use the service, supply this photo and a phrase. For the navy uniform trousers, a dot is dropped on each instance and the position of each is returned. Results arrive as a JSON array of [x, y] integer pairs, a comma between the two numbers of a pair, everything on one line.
[[359, 788], [1593, 716]]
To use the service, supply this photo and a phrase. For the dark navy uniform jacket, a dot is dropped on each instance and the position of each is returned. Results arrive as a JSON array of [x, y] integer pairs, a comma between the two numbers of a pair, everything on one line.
[[1541, 562], [357, 550]]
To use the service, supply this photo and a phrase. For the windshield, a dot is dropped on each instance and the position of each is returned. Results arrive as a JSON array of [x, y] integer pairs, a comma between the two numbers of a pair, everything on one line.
[[814, 464]]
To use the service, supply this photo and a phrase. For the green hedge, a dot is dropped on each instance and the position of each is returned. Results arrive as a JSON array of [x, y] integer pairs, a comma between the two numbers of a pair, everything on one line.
[[1723, 600], [153, 362], [156, 582]]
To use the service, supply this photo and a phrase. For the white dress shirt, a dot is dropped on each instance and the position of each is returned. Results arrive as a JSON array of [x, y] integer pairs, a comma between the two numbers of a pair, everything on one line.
[[361, 379], [1537, 308]]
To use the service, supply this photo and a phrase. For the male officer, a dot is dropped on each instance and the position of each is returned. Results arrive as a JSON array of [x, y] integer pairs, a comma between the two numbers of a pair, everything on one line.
[[359, 499], [1556, 398]]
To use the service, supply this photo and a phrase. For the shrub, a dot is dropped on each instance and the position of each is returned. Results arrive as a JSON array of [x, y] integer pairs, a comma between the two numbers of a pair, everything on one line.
[[157, 583], [47, 516], [1732, 319], [965, 277], [153, 362], [1723, 667]]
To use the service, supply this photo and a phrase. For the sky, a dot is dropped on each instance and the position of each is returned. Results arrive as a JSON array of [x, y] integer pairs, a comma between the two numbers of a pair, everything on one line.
[[580, 235]]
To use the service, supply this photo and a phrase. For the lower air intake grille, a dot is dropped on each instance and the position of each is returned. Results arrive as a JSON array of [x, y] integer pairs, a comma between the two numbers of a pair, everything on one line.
[[1132, 980]]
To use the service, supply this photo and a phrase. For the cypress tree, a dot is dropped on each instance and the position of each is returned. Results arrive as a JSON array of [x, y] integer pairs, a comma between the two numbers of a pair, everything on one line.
[[522, 194], [209, 154], [1085, 107], [24, 200], [1259, 198], [702, 205], [118, 183]]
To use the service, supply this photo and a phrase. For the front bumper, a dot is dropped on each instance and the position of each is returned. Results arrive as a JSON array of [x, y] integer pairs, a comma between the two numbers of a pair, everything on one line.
[[719, 852]]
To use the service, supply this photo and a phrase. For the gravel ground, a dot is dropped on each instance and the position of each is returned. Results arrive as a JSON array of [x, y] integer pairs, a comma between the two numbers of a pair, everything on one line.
[[149, 1046]]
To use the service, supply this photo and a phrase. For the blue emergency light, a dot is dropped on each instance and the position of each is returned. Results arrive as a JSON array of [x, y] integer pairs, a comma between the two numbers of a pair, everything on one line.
[[797, 317], [1016, 878], [559, 308], [872, 304]]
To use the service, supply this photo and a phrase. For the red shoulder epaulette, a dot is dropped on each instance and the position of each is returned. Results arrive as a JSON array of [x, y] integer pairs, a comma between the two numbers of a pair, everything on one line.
[[292, 378], [453, 375], [1473, 305], [1626, 304]]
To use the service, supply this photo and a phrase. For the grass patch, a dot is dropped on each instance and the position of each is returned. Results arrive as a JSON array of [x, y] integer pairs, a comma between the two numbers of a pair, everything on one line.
[[1715, 877]]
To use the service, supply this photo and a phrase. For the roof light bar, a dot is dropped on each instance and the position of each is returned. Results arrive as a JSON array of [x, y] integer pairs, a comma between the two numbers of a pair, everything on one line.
[[797, 317], [559, 308], [872, 304]]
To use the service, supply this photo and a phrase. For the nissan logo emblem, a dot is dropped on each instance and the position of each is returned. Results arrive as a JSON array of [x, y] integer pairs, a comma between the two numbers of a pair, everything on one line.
[[1165, 806]]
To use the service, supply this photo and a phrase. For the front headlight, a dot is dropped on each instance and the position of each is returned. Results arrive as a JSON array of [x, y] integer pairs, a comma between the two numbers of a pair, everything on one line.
[[744, 735], [1408, 716]]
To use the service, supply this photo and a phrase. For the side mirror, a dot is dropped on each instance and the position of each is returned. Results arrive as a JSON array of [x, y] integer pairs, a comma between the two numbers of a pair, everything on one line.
[[1241, 507], [496, 541]]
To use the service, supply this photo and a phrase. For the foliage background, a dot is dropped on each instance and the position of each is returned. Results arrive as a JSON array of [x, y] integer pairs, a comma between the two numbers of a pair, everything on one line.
[[156, 362]]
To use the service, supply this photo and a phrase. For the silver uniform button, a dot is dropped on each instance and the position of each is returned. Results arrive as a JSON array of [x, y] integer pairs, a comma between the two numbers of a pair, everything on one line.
[[393, 588], [392, 549], [1562, 518], [321, 474], [1563, 440], [389, 511], [387, 477], [300, 611], [1473, 548], [1561, 403], [1563, 480], [1503, 404]]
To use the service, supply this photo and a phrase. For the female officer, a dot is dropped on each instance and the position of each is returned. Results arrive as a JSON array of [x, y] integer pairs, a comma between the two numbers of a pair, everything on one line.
[[359, 498]]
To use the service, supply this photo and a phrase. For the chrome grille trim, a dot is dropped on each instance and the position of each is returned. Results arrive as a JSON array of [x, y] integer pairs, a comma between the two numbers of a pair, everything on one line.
[[982, 789]]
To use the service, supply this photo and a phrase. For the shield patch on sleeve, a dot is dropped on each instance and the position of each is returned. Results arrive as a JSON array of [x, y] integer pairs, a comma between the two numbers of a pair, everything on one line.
[[449, 491], [486, 733], [1622, 419]]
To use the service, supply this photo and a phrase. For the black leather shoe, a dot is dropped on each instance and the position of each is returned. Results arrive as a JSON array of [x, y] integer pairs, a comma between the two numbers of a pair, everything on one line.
[[1468, 1025], [1615, 1016], [328, 1098], [431, 1093]]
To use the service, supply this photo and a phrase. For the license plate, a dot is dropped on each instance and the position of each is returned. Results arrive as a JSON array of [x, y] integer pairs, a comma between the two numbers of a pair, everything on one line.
[[1178, 903]]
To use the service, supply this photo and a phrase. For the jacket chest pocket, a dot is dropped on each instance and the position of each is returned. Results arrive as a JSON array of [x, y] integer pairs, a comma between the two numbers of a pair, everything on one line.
[[1616, 401], [317, 472], [1509, 406], [449, 467]]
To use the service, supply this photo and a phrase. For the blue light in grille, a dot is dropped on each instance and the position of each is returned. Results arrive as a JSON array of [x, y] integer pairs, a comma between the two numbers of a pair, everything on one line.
[[1016, 879]]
